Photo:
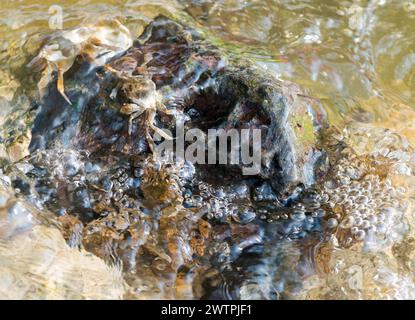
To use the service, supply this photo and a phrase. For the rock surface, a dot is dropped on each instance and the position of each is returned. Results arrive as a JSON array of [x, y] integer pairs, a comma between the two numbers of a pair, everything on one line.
[[199, 79], [172, 228]]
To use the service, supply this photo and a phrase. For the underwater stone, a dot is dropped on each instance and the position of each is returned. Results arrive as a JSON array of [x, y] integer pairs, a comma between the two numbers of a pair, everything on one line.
[[127, 190], [202, 81]]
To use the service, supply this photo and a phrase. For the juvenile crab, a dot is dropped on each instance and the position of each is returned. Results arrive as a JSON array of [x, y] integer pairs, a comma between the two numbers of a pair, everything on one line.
[[143, 96], [139, 90], [96, 43]]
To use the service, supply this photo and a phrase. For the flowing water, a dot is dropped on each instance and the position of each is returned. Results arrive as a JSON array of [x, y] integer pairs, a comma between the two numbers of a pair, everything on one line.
[[355, 57]]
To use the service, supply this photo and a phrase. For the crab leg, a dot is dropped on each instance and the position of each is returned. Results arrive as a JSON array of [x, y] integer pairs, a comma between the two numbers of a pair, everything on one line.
[[60, 85], [150, 141], [130, 121], [150, 123], [147, 58], [161, 132], [134, 110], [130, 124], [111, 69], [164, 109], [44, 80]]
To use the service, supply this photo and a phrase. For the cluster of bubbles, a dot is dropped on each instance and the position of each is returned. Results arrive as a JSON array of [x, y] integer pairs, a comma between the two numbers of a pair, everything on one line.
[[87, 185], [363, 202], [359, 202], [364, 205], [219, 203]]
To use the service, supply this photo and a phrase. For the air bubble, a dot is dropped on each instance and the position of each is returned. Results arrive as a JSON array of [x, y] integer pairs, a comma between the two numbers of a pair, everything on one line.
[[244, 217], [348, 222], [318, 213], [298, 216], [381, 227], [332, 223], [365, 224], [360, 235], [358, 221], [372, 219], [362, 200]]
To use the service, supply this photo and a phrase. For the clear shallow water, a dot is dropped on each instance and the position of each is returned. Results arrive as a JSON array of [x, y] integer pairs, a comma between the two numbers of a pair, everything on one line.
[[356, 57]]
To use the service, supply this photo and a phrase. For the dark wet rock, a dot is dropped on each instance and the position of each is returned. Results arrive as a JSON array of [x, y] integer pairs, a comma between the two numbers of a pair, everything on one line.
[[212, 90], [183, 223]]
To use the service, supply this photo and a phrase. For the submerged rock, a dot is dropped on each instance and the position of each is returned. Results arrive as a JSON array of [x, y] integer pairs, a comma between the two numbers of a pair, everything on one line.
[[360, 241], [172, 227], [198, 79], [184, 230]]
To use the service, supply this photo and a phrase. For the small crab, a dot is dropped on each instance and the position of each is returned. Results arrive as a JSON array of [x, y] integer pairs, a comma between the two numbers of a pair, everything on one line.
[[143, 97], [52, 58], [139, 90], [127, 67], [97, 43]]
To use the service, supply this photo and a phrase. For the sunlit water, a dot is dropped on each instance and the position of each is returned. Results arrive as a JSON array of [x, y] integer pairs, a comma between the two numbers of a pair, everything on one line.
[[357, 58]]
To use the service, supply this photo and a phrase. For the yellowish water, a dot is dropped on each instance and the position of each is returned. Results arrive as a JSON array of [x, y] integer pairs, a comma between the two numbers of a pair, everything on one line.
[[356, 57]]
